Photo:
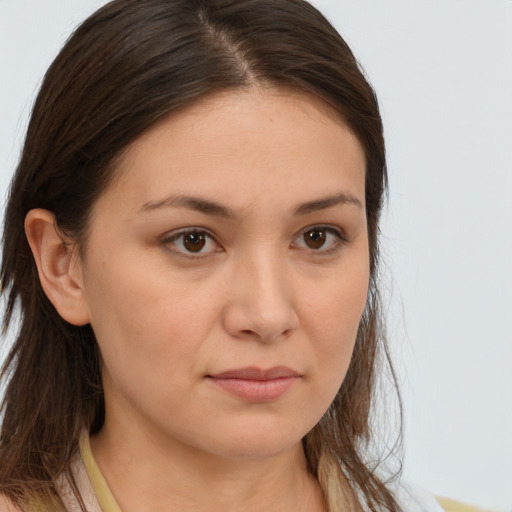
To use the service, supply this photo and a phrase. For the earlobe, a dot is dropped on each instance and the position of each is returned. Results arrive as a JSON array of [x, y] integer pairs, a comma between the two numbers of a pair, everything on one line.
[[58, 266]]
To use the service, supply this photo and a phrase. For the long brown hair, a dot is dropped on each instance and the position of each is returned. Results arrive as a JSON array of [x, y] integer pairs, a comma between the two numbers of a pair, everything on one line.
[[123, 69]]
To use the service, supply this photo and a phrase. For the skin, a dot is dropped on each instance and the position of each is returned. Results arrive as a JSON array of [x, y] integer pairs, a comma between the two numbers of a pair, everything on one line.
[[257, 294]]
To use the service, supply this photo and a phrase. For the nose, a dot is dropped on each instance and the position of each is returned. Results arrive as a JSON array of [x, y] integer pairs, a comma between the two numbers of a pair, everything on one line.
[[260, 304]]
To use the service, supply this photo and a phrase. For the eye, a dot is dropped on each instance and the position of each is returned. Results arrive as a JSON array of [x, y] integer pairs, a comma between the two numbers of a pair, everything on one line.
[[321, 239], [191, 243]]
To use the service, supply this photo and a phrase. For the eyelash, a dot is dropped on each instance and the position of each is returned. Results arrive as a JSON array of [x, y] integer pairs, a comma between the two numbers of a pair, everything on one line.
[[173, 237], [339, 239], [329, 230]]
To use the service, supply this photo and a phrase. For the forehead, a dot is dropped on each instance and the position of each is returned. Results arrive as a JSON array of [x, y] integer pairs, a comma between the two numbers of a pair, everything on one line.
[[241, 145]]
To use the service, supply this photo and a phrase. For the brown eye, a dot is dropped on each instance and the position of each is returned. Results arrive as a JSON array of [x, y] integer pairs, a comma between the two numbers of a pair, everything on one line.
[[315, 238], [194, 241], [320, 240]]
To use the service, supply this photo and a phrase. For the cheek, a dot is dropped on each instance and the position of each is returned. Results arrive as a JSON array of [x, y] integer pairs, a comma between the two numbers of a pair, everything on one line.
[[145, 318], [150, 331], [335, 336], [333, 322]]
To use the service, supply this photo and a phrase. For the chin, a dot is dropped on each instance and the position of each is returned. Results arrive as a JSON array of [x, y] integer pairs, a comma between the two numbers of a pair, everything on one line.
[[255, 450], [256, 442]]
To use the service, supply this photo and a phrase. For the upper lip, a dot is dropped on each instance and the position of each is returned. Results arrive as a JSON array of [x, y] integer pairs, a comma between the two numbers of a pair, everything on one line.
[[255, 373]]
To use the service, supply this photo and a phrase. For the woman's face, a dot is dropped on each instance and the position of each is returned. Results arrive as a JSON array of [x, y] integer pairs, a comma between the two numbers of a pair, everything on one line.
[[227, 270]]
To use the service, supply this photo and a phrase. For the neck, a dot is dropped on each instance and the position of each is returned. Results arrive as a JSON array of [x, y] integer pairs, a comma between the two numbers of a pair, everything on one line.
[[149, 471]]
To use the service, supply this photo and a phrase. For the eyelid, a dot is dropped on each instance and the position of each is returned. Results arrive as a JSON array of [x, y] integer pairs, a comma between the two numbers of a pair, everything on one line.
[[176, 234], [329, 228]]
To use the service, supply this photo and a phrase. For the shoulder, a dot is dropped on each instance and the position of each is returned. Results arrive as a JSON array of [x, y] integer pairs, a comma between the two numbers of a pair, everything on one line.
[[413, 498], [456, 506]]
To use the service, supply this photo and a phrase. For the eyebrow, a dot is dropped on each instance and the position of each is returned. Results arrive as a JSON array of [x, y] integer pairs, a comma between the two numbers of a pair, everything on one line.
[[327, 202], [209, 207], [199, 204]]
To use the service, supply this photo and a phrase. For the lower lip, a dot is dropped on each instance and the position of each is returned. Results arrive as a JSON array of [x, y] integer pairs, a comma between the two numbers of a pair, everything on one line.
[[256, 390]]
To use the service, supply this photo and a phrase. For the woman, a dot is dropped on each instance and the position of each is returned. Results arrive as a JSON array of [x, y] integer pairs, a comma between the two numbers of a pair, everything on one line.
[[192, 240]]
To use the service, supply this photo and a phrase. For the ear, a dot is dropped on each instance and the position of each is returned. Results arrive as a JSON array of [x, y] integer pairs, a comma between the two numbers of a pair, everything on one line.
[[58, 265]]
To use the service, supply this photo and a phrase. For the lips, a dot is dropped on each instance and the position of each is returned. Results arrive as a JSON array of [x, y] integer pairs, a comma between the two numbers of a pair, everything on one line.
[[255, 384], [254, 373]]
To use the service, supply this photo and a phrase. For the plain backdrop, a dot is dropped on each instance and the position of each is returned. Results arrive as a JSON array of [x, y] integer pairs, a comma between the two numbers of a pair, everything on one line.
[[443, 73]]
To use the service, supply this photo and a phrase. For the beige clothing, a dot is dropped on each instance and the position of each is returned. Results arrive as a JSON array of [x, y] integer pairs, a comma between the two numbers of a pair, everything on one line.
[[97, 496], [93, 488]]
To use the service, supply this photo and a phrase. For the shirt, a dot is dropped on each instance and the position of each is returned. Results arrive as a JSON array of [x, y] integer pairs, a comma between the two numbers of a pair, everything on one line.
[[97, 496]]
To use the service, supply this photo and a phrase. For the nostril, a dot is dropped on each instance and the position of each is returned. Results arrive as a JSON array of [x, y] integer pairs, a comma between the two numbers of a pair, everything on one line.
[[257, 319]]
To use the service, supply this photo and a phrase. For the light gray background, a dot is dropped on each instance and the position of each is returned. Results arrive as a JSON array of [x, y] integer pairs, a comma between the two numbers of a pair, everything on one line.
[[443, 73]]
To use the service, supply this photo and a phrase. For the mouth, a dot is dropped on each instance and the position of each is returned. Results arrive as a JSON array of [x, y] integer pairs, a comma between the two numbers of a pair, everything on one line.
[[255, 384]]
